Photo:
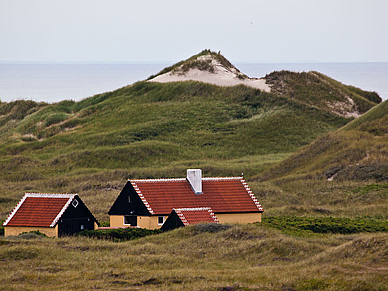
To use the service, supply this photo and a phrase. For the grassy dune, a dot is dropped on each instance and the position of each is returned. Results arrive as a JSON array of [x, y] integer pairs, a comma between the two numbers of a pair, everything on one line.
[[149, 130], [243, 257]]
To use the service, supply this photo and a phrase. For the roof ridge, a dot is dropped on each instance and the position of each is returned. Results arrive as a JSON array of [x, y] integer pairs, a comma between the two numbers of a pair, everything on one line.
[[13, 212], [192, 208], [222, 178], [158, 180], [183, 179], [138, 191], [51, 195]]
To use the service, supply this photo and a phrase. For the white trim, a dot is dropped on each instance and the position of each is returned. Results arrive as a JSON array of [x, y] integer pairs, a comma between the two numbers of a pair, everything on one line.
[[221, 178], [158, 180], [15, 210], [63, 209], [182, 217], [183, 179], [164, 219], [253, 197], [124, 220], [138, 191], [50, 195], [192, 209]]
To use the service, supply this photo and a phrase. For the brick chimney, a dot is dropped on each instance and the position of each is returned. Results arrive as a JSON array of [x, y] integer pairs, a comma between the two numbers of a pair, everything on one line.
[[194, 176]]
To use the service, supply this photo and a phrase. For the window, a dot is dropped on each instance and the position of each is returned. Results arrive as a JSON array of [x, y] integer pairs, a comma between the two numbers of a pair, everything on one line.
[[130, 220], [82, 226], [129, 198], [160, 220], [74, 203]]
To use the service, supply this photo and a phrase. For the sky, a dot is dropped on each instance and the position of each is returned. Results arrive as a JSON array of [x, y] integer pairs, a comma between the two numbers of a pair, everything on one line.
[[172, 30]]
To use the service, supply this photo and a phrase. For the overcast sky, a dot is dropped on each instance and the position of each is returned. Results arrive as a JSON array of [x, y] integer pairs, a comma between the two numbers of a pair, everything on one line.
[[169, 30]]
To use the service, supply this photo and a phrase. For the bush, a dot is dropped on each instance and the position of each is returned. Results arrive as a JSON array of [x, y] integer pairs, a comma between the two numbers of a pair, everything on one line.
[[118, 234], [210, 227], [326, 224], [55, 118], [32, 234]]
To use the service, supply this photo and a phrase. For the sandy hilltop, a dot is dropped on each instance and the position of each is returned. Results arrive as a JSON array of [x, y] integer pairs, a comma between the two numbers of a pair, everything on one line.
[[210, 68]]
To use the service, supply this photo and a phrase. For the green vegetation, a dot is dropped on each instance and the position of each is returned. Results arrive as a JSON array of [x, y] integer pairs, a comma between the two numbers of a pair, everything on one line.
[[357, 152], [151, 130], [317, 89], [326, 224], [119, 234], [242, 257]]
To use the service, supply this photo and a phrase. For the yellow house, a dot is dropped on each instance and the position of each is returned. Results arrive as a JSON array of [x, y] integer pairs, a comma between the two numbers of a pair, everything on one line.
[[51, 214], [147, 203]]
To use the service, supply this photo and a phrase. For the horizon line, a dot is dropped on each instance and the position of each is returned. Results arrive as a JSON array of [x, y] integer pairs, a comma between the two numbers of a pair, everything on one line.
[[173, 62]]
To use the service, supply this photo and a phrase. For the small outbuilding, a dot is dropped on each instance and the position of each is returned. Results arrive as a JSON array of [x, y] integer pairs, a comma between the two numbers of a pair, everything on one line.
[[52, 214], [181, 217]]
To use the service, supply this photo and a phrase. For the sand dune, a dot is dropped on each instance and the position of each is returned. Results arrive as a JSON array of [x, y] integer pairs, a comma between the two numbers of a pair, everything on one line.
[[218, 75]]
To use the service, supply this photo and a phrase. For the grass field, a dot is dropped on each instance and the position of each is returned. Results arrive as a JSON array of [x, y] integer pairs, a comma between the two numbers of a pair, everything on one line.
[[243, 257]]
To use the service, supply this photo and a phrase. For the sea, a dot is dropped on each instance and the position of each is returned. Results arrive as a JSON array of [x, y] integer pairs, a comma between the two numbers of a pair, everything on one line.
[[54, 82]]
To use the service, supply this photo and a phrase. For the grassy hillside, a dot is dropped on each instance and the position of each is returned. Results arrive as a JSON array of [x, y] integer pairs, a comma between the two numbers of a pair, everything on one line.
[[323, 92], [149, 130], [341, 173], [152, 130], [242, 257]]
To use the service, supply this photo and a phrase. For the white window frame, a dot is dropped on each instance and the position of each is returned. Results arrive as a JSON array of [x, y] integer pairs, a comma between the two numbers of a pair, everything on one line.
[[164, 220], [75, 203], [124, 220]]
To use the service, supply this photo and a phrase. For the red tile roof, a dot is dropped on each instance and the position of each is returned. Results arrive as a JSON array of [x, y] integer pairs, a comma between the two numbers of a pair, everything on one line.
[[38, 209], [223, 195], [190, 216]]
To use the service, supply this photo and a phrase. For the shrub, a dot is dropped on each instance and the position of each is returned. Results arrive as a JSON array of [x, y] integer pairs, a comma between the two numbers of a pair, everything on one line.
[[32, 234], [118, 234], [326, 224], [55, 118], [210, 227]]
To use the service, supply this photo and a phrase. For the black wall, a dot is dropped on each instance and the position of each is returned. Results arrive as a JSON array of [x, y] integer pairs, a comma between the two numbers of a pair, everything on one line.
[[75, 217], [173, 221], [122, 206]]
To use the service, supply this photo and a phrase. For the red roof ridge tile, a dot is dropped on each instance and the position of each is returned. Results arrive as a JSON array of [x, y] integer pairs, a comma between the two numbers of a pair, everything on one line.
[[138, 191], [258, 205]]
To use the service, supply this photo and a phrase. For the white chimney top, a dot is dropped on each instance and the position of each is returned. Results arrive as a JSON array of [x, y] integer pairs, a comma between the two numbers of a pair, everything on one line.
[[194, 176]]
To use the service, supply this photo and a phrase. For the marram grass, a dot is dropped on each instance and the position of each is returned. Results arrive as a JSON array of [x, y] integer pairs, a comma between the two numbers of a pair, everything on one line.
[[244, 257]]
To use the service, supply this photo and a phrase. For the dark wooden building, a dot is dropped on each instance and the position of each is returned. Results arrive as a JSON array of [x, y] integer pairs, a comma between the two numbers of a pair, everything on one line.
[[52, 214]]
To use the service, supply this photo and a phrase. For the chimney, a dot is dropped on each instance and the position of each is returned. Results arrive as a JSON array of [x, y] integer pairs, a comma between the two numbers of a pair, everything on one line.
[[194, 176]]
